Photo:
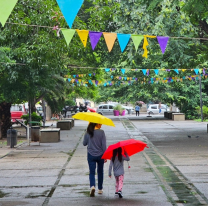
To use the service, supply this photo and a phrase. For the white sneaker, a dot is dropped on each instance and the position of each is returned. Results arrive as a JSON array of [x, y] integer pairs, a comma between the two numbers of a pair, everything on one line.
[[100, 191], [92, 191]]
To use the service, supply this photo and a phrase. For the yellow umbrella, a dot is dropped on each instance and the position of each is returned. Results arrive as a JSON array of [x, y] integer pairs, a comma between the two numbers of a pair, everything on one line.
[[94, 117]]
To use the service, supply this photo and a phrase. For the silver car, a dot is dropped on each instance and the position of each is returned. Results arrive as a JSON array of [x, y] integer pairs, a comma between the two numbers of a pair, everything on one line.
[[105, 109]]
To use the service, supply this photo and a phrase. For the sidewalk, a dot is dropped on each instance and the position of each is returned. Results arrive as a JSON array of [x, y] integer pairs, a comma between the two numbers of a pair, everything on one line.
[[57, 173]]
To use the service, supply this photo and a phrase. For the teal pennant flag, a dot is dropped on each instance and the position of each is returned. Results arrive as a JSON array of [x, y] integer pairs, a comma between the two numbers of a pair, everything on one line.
[[69, 9], [123, 40], [6, 8]]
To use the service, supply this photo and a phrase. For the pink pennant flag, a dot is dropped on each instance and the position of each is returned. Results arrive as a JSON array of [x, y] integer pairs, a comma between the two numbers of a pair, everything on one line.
[[163, 41], [94, 38]]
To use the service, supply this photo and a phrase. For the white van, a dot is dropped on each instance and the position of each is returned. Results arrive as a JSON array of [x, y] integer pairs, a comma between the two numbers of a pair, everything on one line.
[[154, 109]]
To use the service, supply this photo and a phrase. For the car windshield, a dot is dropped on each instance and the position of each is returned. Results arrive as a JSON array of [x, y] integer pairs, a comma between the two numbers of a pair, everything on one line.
[[16, 108]]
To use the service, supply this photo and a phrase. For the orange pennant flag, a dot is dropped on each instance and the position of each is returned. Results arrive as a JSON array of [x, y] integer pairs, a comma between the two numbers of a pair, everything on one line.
[[83, 34], [110, 39]]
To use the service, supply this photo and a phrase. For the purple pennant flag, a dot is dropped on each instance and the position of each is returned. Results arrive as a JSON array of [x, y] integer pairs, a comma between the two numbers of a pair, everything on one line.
[[96, 82], [163, 41], [94, 38]]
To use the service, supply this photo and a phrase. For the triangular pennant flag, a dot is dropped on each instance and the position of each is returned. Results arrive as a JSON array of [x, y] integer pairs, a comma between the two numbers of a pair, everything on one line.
[[146, 44], [176, 70], [196, 71], [69, 9], [94, 38], [162, 40], [123, 40], [156, 71], [6, 8], [107, 69], [83, 34], [137, 40], [68, 34], [144, 71], [109, 39], [123, 71]]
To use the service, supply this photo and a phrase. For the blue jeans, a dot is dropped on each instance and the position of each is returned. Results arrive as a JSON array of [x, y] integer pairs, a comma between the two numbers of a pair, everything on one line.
[[92, 166]]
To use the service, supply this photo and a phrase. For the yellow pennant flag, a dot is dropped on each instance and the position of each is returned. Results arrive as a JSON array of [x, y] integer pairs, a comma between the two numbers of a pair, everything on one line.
[[83, 35], [146, 44], [110, 39], [73, 80], [183, 70]]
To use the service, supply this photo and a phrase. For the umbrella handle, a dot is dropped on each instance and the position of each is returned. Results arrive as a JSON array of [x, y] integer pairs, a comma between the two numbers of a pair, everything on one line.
[[129, 168]]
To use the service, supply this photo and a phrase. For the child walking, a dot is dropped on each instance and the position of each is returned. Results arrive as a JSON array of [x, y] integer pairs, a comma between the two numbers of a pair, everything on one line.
[[118, 169]]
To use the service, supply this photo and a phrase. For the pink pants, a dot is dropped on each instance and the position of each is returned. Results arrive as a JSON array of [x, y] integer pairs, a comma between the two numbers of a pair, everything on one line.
[[119, 182]]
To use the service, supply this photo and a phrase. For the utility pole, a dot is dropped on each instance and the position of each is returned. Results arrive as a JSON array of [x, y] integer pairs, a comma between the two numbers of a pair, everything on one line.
[[201, 104]]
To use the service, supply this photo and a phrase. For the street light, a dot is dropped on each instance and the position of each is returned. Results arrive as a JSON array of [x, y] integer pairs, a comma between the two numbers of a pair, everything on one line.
[[200, 89]]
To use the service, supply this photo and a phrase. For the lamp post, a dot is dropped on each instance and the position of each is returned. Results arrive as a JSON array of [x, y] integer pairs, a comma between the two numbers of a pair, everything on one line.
[[200, 89]]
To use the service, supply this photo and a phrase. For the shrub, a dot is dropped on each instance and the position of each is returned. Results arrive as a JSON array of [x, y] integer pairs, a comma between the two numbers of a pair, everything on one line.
[[204, 111], [34, 117]]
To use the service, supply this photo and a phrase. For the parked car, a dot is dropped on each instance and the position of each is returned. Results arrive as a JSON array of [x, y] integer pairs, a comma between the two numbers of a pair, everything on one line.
[[105, 109], [17, 110], [154, 108]]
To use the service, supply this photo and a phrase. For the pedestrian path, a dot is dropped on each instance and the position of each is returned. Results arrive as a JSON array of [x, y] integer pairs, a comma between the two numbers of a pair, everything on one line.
[[57, 174]]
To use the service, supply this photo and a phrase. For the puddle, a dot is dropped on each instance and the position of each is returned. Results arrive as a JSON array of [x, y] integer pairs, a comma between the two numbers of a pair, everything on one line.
[[2, 194]]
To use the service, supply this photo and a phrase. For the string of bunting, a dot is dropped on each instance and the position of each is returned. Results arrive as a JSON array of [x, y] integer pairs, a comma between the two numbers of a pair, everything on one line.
[[70, 8], [80, 82]]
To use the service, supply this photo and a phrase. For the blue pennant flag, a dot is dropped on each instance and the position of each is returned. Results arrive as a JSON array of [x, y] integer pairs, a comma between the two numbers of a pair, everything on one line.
[[107, 69], [123, 40], [111, 77], [69, 80], [196, 71], [144, 71], [184, 77], [176, 70], [156, 71], [90, 75], [74, 76], [123, 71], [125, 78], [69, 9], [105, 84]]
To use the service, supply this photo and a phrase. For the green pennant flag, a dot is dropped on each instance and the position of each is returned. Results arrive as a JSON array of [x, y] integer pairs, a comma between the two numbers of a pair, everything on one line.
[[6, 8], [68, 34], [137, 40]]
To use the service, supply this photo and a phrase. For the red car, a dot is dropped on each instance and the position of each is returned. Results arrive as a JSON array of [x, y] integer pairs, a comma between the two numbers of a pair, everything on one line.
[[91, 109], [17, 111]]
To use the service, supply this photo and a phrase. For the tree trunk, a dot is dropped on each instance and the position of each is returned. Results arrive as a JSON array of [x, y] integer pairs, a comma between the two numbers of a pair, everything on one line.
[[5, 118]]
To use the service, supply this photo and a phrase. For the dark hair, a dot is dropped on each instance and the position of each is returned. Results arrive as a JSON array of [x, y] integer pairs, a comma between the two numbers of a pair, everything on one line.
[[91, 128], [115, 152]]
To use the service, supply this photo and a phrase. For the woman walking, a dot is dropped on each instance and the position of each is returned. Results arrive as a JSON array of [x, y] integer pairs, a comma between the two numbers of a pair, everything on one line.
[[95, 141], [118, 169]]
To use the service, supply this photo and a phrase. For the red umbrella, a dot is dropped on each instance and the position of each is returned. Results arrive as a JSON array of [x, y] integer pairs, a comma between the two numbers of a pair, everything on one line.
[[131, 146]]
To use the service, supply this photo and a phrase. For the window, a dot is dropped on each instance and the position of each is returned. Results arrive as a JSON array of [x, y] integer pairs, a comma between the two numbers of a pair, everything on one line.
[[162, 107], [105, 107], [110, 106], [100, 107], [153, 107]]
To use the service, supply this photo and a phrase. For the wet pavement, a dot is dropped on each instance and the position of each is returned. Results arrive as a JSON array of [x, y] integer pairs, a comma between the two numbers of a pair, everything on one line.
[[172, 171]]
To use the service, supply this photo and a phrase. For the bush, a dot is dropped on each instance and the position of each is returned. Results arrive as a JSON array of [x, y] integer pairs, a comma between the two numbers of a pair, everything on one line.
[[34, 117], [204, 111]]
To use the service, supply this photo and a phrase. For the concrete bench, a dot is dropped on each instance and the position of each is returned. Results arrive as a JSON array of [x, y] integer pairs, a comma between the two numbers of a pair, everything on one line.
[[178, 116], [50, 135], [64, 124], [72, 121], [169, 114]]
